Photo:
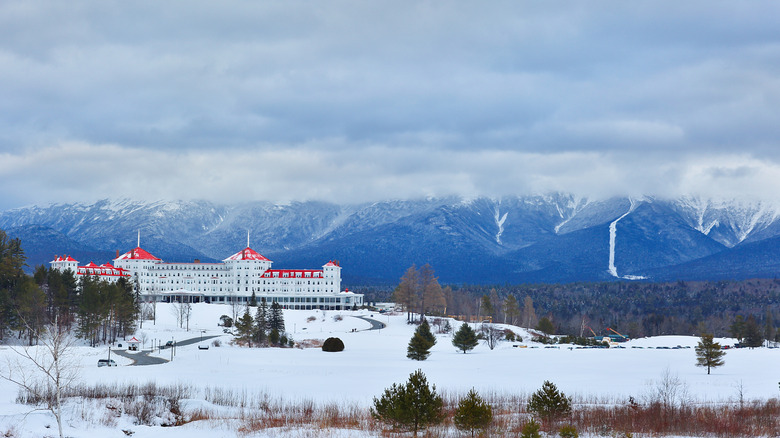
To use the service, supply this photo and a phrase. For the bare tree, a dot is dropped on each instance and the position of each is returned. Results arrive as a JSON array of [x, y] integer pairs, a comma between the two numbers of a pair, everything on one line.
[[46, 371], [177, 312], [186, 313], [492, 335]]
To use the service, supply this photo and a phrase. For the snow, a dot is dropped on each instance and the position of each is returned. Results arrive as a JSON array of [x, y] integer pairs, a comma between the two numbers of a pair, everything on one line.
[[613, 243], [372, 361], [500, 223]]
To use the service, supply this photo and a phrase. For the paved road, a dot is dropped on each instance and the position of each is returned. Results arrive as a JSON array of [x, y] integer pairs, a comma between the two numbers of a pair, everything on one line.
[[375, 325], [142, 357]]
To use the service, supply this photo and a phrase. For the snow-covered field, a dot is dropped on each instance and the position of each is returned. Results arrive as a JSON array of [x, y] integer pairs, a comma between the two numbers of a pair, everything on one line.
[[375, 359]]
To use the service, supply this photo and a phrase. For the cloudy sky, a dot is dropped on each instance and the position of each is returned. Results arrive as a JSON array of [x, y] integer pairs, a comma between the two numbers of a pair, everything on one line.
[[352, 101]]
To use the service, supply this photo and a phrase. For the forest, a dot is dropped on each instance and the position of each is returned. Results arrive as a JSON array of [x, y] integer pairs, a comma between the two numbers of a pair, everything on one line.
[[98, 310], [633, 308]]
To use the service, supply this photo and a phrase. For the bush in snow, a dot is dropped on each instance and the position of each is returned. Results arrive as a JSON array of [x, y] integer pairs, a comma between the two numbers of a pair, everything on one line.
[[333, 345]]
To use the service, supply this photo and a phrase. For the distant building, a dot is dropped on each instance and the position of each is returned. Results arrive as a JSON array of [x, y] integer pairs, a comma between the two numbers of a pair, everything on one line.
[[234, 280]]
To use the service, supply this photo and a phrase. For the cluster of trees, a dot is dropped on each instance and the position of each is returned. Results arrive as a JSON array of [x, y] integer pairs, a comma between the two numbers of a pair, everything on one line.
[[415, 406], [635, 309], [266, 328], [100, 311], [419, 292]]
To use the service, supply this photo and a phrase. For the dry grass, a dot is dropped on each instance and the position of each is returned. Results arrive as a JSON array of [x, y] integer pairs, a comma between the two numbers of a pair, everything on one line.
[[655, 415]]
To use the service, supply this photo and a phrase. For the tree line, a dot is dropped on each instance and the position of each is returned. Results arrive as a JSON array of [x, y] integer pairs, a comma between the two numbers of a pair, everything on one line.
[[635, 309], [99, 311]]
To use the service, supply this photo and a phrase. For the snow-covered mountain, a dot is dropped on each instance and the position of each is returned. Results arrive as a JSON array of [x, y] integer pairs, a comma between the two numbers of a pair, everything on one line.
[[550, 238]]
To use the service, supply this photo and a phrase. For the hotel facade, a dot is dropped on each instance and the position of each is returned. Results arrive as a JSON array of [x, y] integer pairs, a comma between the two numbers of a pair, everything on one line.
[[234, 280]]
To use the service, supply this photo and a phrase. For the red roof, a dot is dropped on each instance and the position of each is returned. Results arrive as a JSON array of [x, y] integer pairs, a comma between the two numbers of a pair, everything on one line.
[[137, 254], [64, 259], [331, 263], [292, 273], [247, 254]]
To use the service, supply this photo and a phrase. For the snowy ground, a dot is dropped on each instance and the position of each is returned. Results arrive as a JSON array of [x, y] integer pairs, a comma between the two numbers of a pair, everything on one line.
[[373, 360]]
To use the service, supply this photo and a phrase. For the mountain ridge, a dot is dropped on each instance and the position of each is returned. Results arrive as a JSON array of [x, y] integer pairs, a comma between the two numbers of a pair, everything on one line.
[[543, 238]]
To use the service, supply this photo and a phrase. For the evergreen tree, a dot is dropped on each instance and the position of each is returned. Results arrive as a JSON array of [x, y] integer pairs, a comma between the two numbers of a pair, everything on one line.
[[421, 343], [709, 353], [737, 328], [245, 327], [266, 313], [549, 403], [545, 326], [769, 326], [273, 337], [465, 339], [486, 306], [276, 320], [260, 333], [253, 300], [412, 406], [753, 336], [473, 413], [424, 329], [419, 348]]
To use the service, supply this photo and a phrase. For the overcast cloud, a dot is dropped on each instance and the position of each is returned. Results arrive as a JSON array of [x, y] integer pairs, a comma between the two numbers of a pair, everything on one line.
[[352, 101]]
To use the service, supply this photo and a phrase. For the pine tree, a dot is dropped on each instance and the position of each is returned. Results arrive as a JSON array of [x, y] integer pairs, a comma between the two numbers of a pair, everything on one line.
[[419, 348], [276, 320], [266, 312], [413, 406], [737, 328], [549, 403], [424, 329], [709, 353], [260, 333], [473, 413], [245, 327], [753, 336], [465, 339], [545, 326], [253, 300]]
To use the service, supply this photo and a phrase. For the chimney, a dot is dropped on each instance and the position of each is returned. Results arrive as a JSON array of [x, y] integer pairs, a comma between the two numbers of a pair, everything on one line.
[[197, 260], [117, 254]]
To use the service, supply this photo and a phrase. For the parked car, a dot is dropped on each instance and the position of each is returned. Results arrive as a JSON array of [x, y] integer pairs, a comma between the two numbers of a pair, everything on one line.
[[106, 363], [169, 344]]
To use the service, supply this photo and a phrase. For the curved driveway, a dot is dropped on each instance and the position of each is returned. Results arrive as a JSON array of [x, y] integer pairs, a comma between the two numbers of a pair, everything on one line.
[[375, 325], [142, 357]]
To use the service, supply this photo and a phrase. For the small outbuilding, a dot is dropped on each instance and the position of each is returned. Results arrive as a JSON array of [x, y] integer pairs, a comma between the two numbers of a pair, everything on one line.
[[133, 344]]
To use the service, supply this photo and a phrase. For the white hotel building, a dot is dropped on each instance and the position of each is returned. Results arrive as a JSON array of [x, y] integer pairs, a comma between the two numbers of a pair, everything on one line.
[[235, 279]]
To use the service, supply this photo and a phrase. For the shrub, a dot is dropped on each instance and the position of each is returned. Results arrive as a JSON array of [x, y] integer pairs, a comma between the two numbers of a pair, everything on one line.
[[413, 406], [216, 343], [549, 403], [568, 431], [531, 430], [473, 413], [333, 345]]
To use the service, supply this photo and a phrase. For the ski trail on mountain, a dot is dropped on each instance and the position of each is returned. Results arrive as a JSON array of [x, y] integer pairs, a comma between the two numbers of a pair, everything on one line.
[[613, 242], [500, 222]]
